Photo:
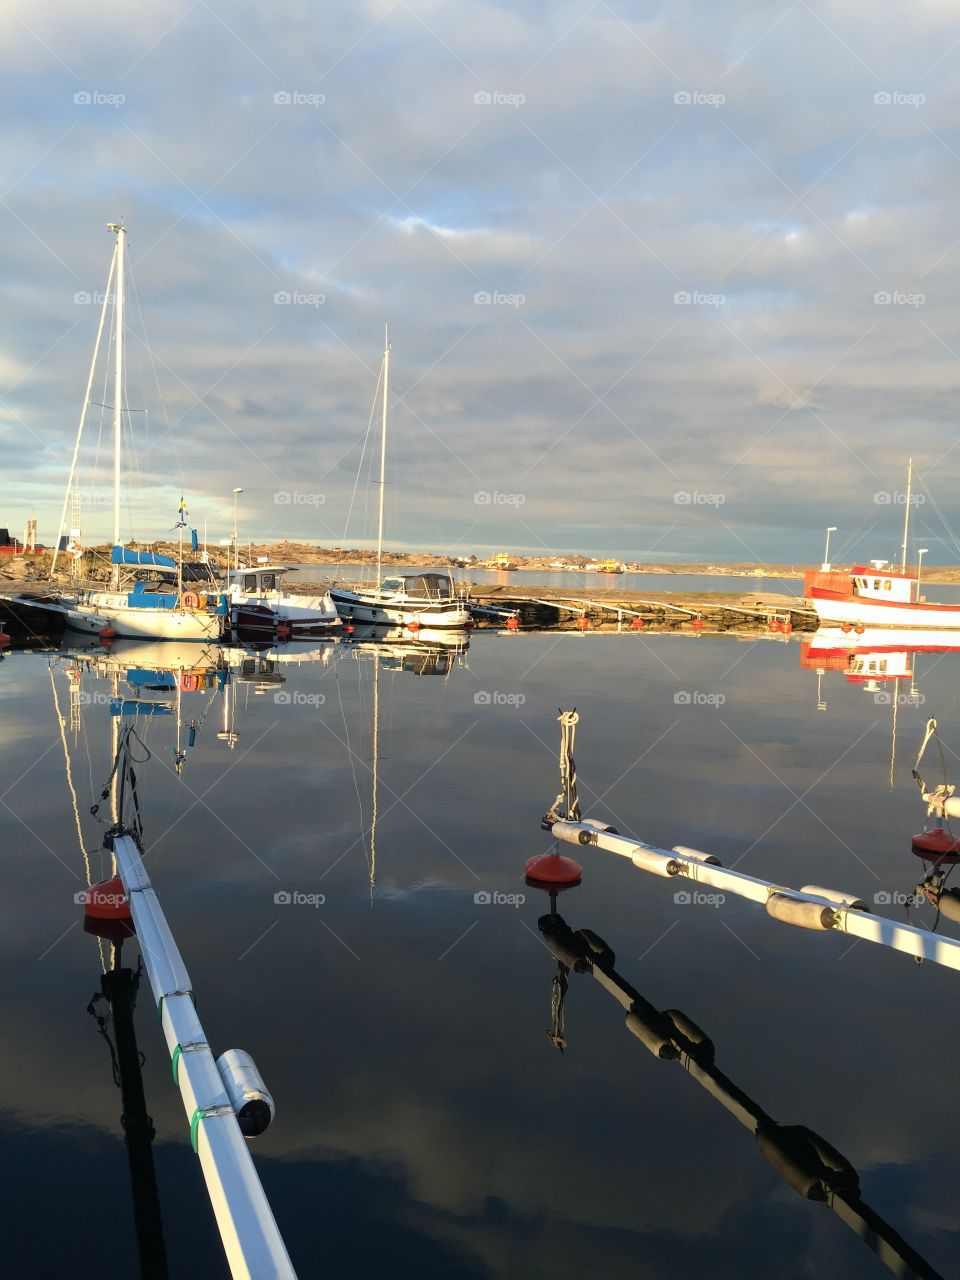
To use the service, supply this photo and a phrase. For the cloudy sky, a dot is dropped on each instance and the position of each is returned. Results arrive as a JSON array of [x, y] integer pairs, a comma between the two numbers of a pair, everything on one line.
[[663, 281]]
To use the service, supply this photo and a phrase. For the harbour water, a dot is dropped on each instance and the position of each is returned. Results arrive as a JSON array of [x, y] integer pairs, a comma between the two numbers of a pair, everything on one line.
[[396, 992]]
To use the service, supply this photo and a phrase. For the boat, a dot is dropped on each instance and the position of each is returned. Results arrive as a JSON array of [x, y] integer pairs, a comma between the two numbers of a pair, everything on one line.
[[260, 605], [504, 563], [610, 566], [413, 600], [877, 595], [153, 596]]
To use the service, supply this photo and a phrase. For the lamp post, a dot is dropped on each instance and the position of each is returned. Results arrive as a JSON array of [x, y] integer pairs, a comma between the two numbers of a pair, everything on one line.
[[826, 550], [920, 554], [236, 541]]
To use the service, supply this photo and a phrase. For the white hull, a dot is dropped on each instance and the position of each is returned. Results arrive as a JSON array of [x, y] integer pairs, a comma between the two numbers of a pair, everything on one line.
[[832, 640], [859, 611], [444, 616], [105, 610], [305, 614]]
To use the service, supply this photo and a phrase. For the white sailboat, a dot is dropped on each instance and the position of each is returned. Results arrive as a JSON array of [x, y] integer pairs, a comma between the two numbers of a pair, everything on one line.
[[157, 605], [412, 600]]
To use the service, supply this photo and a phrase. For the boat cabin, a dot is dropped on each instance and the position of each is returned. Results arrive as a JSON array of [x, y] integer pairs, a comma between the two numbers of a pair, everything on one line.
[[893, 665], [264, 580], [874, 582], [420, 586]]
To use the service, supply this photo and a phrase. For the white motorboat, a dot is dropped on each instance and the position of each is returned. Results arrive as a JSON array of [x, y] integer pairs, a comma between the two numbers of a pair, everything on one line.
[[260, 604]]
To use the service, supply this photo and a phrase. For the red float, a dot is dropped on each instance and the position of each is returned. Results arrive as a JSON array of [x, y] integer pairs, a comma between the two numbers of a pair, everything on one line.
[[936, 846], [553, 869]]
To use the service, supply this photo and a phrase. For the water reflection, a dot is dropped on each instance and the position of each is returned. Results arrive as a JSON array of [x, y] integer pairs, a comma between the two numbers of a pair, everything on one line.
[[806, 1162]]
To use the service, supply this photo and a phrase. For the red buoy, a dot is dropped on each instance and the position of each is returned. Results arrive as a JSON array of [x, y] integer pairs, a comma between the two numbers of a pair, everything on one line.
[[697, 624], [284, 630], [513, 623], [774, 624], [348, 628], [5, 640], [583, 622], [553, 869], [106, 900], [788, 627], [859, 629], [936, 846], [413, 626], [846, 628], [107, 634]]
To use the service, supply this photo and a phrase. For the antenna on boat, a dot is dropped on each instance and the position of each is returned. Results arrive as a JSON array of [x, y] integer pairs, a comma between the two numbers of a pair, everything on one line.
[[906, 518]]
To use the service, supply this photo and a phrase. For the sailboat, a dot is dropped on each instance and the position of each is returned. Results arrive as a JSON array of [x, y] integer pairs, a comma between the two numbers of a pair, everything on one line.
[[172, 600], [875, 595], [412, 600]]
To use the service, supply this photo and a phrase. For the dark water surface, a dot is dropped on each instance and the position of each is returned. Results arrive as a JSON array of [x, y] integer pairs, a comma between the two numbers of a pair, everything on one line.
[[426, 1124]]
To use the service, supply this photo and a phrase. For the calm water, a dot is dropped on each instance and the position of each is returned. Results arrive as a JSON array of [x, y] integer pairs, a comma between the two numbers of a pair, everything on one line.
[[426, 1124]]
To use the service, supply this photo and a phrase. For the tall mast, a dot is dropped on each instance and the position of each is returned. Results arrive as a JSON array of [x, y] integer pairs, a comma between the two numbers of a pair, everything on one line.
[[383, 447], [120, 232], [906, 518]]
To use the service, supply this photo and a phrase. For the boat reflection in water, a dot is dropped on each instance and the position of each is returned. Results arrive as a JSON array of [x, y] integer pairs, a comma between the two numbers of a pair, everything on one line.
[[430, 651], [808, 1163]]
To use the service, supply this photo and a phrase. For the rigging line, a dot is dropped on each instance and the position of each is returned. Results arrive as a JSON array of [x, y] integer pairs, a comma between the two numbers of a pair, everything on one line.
[[356, 482], [73, 796], [942, 518], [156, 380]]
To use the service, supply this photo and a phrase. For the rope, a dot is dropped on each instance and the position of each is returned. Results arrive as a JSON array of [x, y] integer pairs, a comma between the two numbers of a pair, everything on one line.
[[125, 773], [944, 790], [558, 991], [567, 796]]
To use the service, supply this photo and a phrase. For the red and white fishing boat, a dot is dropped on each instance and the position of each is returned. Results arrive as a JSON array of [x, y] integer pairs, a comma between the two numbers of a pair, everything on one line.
[[875, 596]]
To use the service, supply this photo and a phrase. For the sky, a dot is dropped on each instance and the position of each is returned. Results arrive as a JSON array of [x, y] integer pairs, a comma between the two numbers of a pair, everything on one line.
[[663, 282]]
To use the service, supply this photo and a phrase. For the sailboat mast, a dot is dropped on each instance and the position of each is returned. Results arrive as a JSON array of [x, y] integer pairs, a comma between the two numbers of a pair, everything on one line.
[[383, 448], [906, 517], [118, 390]]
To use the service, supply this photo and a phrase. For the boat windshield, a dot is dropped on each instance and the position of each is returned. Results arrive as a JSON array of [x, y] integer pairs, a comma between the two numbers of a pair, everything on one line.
[[433, 586], [391, 584]]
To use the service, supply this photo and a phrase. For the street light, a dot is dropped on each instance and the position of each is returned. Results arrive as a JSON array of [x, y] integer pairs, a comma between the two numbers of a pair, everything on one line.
[[826, 550], [920, 554], [236, 542]]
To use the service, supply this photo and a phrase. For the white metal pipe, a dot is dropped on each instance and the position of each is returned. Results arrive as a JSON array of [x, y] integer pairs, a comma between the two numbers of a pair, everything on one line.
[[251, 1238], [847, 916]]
